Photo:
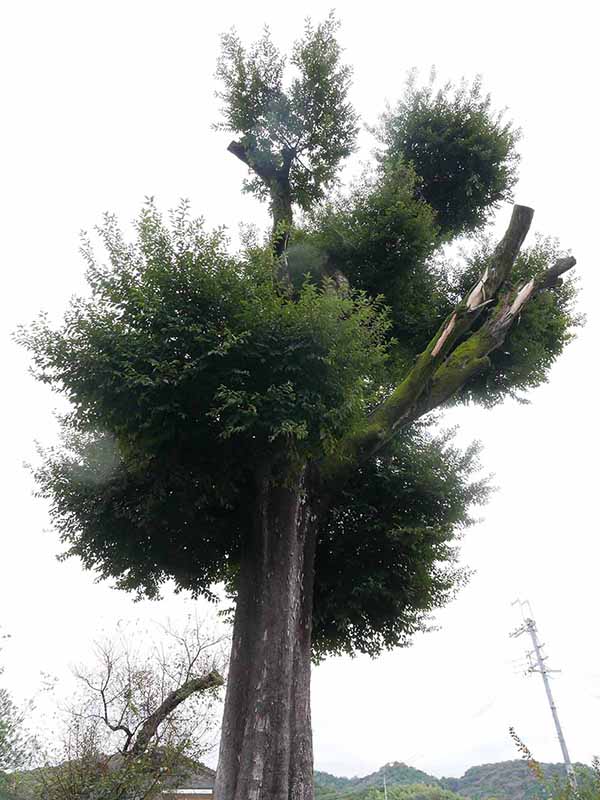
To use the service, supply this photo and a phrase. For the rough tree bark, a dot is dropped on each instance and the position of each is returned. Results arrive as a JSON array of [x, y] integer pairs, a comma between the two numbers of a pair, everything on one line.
[[266, 741], [276, 178], [266, 744]]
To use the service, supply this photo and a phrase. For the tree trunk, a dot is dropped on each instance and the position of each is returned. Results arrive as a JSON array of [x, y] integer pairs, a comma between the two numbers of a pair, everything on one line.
[[282, 213], [266, 739]]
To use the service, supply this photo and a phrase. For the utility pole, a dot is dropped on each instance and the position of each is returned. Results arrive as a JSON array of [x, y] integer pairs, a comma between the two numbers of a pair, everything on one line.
[[537, 663]]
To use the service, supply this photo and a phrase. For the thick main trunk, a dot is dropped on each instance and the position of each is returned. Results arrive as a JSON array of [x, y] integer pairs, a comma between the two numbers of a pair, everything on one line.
[[266, 741], [282, 213]]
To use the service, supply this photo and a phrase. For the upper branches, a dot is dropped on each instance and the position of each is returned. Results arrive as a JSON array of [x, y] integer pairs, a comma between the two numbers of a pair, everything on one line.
[[291, 137]]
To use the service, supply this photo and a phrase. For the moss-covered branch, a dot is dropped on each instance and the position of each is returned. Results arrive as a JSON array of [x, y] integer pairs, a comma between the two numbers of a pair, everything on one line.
[[471, 356], [459, 350]]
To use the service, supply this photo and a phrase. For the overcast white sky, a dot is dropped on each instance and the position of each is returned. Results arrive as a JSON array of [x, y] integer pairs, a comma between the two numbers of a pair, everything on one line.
[[106, 102]]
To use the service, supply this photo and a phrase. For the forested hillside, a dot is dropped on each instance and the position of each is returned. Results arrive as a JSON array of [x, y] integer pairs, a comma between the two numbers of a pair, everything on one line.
[[506, 780], [417, 791], [396, 774]]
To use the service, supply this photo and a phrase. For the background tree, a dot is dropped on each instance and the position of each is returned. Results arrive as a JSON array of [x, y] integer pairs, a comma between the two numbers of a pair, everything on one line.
[[15, 741], [141, 717], [257, 417]]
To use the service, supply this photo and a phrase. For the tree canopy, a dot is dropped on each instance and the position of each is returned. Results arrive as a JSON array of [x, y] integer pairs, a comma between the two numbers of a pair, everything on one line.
[[462, 151], [190, 364]]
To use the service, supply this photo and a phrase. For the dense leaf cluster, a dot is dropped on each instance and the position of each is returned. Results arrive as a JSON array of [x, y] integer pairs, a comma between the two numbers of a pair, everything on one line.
[[386, 554], [386, 241], [462, 151], [186, 370], [381, 236]]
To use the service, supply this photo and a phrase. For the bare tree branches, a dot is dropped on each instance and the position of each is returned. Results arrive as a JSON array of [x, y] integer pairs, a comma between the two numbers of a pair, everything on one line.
[[149, 730], [143, 712], [133, 694]]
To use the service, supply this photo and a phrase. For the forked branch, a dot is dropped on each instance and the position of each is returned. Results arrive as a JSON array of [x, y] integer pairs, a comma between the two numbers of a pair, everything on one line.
[[456, 353]]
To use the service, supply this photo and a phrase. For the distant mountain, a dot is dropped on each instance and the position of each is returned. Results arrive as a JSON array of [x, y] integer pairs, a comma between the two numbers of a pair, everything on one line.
[[396, 774], [506, 780], [331, 787]]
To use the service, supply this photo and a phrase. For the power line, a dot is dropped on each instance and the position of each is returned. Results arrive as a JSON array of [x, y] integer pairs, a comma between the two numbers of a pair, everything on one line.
[[537, 663]]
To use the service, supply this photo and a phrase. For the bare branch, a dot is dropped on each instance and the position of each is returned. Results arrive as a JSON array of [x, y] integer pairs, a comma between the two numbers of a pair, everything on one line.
[[552, 276], [211, 680], [256, 161]]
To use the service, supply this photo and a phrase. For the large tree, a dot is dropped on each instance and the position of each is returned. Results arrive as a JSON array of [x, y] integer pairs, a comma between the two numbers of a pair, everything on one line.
[[258, 418]]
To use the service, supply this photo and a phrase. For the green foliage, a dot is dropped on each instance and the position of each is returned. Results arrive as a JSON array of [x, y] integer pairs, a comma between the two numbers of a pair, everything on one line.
[[311, 122], [506, 780], [515, 780], [15, 743], [380, 237], [186, 370], [461, 150], [386, 553], [13, 748], [385, 242], [588, 784], [180, 340], [550, 780], [93, 776], [98, 749], [415, 792]]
